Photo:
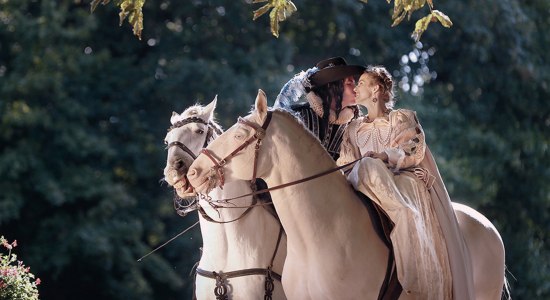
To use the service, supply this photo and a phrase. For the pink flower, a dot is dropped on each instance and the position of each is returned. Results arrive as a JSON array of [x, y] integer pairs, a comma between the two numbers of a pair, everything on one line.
[[5, 244], [38, 281], [14, 244]]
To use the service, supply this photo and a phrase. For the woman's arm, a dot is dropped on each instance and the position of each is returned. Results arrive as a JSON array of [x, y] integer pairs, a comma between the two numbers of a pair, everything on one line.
[[408, 142]]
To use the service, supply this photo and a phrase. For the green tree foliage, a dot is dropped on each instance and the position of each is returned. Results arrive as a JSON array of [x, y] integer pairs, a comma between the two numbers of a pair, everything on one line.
[[84, 107], [491, 116]]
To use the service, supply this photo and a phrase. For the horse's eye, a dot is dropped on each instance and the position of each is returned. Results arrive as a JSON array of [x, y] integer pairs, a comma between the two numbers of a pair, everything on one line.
[[165, 142], [239, 136], [199, 131]]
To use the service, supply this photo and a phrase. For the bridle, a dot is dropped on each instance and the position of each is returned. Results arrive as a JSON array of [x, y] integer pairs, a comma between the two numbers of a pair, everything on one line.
[[184, 208], [209, 135], [218, 170], [260, 131], [258, 136], [222, 287]]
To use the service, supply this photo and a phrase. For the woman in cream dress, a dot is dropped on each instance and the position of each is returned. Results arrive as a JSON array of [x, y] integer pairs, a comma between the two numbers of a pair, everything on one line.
[[400, 175]]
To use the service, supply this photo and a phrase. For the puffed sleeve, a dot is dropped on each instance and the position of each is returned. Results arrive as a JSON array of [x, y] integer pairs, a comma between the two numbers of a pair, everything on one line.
[[349, 151], [408, 143]]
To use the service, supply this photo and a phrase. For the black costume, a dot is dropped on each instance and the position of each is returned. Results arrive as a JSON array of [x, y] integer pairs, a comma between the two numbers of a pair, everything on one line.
[[331, 135]]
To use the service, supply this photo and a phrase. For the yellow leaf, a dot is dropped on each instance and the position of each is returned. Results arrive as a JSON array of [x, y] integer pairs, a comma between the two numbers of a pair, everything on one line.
[[398, 20], [421, 26], [95, 3], [430, 3], [281, 14], [417, 4], [280, 11], [290, 8], [397, 9], [274, 22], [260, 11], [442, 18]]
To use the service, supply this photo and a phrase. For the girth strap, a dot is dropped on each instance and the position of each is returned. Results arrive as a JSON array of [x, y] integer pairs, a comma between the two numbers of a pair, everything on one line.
[[221, 287], [238, 273]]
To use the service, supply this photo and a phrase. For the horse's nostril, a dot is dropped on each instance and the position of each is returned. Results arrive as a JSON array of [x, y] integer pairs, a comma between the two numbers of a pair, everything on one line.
[[191, 173], [179, 164]]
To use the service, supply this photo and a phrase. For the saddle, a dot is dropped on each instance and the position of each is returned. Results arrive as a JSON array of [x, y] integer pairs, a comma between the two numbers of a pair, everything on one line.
[[391, 288]]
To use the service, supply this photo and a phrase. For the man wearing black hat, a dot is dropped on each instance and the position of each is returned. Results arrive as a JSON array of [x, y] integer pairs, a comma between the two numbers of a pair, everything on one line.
[[330, 98]]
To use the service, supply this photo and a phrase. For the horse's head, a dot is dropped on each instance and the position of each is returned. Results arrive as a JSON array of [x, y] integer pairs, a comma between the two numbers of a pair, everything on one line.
[[190, 132], [238, 154]]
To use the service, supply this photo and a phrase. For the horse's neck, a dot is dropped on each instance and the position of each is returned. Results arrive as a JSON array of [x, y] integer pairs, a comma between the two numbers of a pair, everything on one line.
[[247, 242], [323, 208]]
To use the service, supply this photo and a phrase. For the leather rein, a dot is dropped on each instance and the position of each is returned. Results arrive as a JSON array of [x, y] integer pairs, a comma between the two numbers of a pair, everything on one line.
[[259, 134]]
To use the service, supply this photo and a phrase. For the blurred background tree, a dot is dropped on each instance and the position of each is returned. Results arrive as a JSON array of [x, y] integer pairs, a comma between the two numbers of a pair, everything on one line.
[[84, 108]]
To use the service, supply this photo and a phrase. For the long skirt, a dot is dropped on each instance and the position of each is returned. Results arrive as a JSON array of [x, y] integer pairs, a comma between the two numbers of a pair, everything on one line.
[[419, 246]]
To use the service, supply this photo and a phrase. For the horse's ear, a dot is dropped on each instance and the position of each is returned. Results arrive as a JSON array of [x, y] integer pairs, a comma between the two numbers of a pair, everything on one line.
[[209, 109], [261, 104], [174, 117]]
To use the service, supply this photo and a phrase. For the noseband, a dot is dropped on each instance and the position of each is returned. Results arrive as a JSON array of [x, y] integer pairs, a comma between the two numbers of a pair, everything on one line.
[[183, 122], [259, 134]]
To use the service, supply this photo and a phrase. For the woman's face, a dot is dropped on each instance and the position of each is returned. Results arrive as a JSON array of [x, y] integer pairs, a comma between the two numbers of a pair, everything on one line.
[[365, 90]]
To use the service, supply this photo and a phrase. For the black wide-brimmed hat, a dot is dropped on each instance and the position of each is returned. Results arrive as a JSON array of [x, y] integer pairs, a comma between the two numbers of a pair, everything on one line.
[[333, 69]]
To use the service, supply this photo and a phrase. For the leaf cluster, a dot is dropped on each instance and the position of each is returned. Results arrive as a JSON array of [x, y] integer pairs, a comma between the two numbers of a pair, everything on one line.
[[131, 9], [16, 280]]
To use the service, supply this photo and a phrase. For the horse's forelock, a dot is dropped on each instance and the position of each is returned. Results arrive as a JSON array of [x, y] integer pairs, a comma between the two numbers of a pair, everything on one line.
[[196, 110]]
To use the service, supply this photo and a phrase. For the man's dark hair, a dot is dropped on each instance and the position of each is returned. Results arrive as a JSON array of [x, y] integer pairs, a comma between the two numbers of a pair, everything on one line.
[[330, 91]]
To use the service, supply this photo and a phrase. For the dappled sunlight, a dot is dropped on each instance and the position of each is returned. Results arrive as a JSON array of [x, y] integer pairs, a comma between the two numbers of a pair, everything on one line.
[[414, 71]]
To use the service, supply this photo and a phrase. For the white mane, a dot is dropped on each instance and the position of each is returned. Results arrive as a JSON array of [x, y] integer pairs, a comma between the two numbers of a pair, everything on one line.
[[290, 115]]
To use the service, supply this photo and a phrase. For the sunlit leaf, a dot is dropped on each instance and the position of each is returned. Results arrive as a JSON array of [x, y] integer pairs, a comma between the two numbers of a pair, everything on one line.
[[400, 18], [430, 3], [274, 22], [260, 11], [129, 9], [290, 8], [421, 26], [442, 18], [280, 11], [95, 3], [397, 9], [417, 4]]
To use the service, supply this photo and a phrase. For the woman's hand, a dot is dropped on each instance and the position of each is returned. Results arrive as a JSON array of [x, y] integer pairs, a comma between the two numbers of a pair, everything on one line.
[[379, 155]]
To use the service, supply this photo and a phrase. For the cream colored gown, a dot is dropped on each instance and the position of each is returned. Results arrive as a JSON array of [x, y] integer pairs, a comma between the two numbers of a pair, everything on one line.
[[427, 242]]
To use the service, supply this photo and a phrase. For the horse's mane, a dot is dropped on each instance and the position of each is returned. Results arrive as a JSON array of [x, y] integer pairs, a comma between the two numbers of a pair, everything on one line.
[[293, 117]]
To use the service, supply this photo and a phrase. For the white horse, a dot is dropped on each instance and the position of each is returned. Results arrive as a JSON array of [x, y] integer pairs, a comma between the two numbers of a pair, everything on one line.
[[333, 251], [240, 246]]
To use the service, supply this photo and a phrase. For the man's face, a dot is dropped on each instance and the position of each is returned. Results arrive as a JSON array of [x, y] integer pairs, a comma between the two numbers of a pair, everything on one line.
[[348, 98]]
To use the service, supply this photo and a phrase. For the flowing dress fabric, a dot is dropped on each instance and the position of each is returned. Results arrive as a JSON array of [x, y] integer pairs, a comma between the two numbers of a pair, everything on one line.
[[427, 243]]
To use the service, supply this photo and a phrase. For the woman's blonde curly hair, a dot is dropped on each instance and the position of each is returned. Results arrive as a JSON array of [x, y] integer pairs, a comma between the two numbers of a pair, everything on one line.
[[385, 80]]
